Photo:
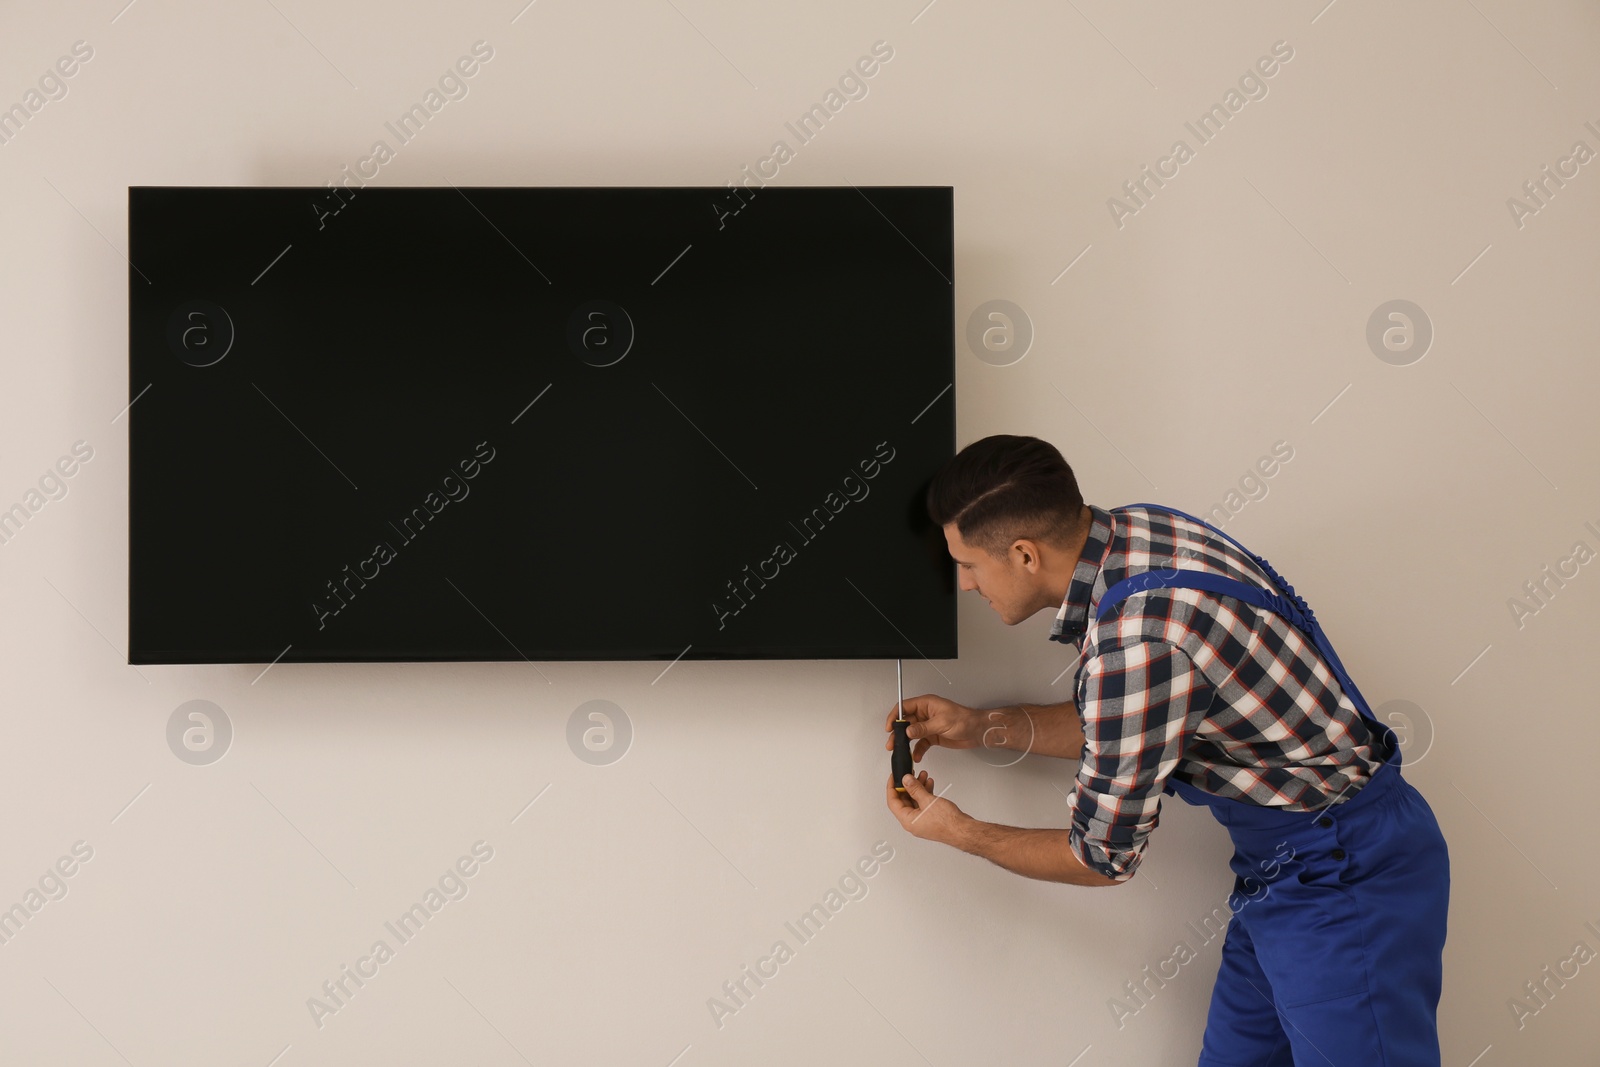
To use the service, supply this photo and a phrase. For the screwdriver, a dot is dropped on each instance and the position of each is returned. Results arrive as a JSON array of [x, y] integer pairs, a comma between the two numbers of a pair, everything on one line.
[[900, 761]]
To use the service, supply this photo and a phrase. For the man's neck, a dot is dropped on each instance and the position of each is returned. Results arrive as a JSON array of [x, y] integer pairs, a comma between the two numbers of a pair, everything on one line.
[[1062, 582]]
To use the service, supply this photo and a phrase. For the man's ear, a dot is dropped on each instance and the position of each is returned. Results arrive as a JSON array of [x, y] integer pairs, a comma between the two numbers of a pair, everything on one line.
[[1028, 550]]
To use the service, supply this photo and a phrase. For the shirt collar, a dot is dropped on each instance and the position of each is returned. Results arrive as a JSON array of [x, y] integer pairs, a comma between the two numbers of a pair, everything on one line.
[[1072, 620]]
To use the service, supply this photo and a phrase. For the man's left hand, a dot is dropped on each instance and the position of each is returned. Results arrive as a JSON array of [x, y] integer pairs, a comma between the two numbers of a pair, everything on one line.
[[924, 815]]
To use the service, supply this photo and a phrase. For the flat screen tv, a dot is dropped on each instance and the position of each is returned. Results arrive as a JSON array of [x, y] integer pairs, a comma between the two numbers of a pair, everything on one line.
[[568, 423]]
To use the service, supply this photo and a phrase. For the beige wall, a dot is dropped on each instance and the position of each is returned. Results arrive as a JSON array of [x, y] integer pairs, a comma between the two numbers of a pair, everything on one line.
[[1226, 314]]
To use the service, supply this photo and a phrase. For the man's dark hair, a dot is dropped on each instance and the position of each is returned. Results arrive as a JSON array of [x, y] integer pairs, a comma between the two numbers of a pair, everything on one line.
[[1005, 487]]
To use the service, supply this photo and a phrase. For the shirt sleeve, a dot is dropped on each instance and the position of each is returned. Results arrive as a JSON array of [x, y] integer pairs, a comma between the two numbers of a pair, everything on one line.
[[1140, 705]]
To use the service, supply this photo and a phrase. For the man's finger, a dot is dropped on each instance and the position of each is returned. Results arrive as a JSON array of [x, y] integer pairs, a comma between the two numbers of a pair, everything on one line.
[[898, 802]]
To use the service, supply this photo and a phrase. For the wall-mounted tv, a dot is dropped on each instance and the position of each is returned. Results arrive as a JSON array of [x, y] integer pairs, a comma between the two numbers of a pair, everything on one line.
[[565, 423]]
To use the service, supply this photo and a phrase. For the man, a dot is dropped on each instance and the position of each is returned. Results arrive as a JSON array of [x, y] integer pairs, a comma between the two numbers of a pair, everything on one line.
[[1202, 674]]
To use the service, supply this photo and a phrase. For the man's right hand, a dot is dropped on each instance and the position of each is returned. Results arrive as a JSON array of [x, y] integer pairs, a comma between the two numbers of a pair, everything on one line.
[[937, 721]]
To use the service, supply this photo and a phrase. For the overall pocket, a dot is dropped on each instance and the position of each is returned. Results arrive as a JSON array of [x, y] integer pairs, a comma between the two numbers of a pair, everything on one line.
[[1306, 927]]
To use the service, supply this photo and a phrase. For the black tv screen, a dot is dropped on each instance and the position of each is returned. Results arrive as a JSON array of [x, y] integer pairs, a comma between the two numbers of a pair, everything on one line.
[[538, 423]]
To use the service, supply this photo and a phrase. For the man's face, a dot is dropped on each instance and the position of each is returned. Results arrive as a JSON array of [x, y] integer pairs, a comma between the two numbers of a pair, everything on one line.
[[1006, 584]]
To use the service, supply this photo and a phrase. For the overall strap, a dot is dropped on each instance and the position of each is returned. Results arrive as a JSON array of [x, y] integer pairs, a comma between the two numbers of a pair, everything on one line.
[[1278, 580], [1288, 603], [1218, 584]]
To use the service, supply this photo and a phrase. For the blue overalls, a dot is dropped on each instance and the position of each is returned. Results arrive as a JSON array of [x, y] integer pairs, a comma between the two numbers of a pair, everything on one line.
[[1333, 955]]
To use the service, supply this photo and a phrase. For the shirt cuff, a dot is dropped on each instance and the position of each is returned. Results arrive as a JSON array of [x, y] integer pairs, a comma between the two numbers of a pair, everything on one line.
[[1117, 866]]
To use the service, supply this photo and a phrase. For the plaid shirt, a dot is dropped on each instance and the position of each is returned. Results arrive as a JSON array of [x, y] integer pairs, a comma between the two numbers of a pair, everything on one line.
[[1233, 700]]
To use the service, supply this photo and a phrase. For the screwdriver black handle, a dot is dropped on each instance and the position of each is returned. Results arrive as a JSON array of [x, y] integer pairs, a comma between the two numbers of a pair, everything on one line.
[[900, 762]]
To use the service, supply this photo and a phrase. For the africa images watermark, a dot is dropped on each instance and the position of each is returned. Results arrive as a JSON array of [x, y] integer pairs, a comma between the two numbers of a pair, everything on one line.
[[1553, 979], [52, 86], [855, 489], [52, 886], [1539, 591], [1542, 188], [52, 486], [337, 992], [599, 732], [1141, 991], [410, 528], [452, 85], [852, 85], [852, 886], [1252, 484], [1252, 86]]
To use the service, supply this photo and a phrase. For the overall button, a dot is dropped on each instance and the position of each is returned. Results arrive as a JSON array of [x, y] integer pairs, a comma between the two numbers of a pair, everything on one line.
[[1338, 853], [1324, 822]]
